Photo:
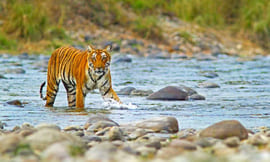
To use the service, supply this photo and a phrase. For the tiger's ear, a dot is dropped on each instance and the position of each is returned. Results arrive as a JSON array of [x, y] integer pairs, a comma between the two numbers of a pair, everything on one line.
[[90, 48], [108, 48]]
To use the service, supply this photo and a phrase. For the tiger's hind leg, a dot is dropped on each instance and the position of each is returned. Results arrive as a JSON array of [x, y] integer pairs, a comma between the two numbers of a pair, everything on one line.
[[52, 89], [71, 94]]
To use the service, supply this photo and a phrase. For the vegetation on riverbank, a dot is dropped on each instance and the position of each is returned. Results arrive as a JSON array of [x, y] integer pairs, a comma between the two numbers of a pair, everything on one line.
[[27, 25]]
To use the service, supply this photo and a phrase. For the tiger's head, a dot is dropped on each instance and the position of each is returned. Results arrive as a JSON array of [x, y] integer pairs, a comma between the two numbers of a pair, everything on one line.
[[99, 59]]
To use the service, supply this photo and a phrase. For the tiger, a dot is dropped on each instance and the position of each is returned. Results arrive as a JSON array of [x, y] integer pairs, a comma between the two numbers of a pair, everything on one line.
[[80, 72]]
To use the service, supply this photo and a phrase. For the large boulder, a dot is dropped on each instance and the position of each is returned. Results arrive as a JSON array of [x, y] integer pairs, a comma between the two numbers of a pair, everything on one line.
[[160, 124], [225, 129], [169, 93]]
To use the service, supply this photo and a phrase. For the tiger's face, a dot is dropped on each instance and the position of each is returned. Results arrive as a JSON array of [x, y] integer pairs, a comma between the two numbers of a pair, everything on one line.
[[99, 59]]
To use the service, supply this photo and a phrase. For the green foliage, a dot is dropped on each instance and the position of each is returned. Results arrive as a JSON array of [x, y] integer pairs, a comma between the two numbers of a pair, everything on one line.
[[27, 20], [147, 27], [76, 150], [5, 43]]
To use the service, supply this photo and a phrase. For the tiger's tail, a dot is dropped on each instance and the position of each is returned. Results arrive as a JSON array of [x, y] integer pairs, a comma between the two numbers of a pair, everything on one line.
[[40, 91]]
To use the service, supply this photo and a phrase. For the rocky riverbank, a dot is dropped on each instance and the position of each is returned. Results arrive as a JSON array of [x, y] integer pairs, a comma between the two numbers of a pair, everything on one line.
[[156, 139]]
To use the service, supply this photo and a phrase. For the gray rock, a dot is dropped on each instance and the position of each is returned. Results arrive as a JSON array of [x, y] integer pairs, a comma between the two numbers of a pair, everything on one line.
[[141, 92], [206, 142], [15, 102], [209, 85], [126, 91], [225, 129], [137, 133], [187, 133], [91, 138], [188, 90], [115, 133], [99, 121], [57, 152], [15, 71], [196, 97], [73, 128], [104, 151], [169, 93], [122, 59], [204, 57], [160, 124]]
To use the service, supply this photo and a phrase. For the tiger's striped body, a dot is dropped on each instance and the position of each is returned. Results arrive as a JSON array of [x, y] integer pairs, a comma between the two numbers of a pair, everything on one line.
[[80, 72]]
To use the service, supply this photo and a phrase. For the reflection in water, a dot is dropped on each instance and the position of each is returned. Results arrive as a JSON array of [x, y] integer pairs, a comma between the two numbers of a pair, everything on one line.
[[244, 93]]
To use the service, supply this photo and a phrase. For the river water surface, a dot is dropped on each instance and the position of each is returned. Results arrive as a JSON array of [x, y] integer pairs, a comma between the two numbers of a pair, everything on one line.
[[244, 92]]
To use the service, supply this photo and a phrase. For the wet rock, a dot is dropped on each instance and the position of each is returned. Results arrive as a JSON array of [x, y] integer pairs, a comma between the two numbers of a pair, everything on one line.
[[169, 93], [91, 138], [15, 102], [23, 56], [225, 129], [258, 140], [204, 57], [9, 143], [48, 126], [160, 124], [141, 92], [232, 142], [15, 71], [45, 137], [126, 91], [2, 77], [209, 74], [187, 133], [184, 144], [188, 90], [137, 133], [196, 97], [122, 59], [208, 85]]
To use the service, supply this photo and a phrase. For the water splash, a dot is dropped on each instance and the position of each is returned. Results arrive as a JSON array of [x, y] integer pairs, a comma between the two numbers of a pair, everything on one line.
[[112, 104]]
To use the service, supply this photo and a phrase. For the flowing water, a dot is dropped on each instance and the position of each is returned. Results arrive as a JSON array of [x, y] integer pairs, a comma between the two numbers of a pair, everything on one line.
[[244, 92]]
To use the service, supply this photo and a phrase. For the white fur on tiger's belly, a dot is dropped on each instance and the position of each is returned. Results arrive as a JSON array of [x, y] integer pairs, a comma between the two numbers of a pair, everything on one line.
[[112, 104]]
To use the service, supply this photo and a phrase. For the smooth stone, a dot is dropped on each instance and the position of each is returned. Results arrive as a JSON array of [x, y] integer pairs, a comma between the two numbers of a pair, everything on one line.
[[57, 152], [209, 74], [154, 144], [15, 102], [122, 59], [232, 142], [137, 133], [209, 85], [115, 133], [9, 143], [258, 140], [48, 126], [188, 90], [2, 76], [146, 151], [187, 133], [169, 152], [26, 125], [225, 129], [43, 138], [101, 121], [169, 93], [100, 125], [15, 71], [186, 145], [196, 97], [141, 92], [126, 91], [160, 124]]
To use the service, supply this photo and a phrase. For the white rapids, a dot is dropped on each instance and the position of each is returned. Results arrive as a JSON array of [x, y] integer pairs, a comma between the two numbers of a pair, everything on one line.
[[111, 104]]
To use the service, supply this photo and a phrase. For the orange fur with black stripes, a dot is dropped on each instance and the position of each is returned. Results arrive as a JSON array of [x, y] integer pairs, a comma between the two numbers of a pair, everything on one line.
[[80, 72]]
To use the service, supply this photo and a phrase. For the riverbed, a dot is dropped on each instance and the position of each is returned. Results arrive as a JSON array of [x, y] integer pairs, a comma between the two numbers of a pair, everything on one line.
[[244, 92]]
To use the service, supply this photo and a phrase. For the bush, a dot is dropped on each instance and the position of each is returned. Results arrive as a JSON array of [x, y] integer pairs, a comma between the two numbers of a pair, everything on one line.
[[5, 43]]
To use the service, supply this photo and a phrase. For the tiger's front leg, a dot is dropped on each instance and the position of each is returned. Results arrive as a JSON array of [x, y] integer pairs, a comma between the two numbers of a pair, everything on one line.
[[79, 97], [109, 93]]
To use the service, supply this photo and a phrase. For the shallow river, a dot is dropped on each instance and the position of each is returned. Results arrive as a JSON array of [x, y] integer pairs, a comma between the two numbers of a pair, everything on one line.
[[244, 92]]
